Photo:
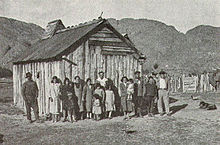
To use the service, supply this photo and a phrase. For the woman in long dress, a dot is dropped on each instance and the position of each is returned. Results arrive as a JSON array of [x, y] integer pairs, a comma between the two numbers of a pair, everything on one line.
[[124, 94], [88, 95], [54, 100], [68, 100], [78, 87]]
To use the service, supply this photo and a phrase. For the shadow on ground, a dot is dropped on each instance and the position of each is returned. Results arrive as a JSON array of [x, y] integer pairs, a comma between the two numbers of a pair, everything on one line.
[[177, 108]]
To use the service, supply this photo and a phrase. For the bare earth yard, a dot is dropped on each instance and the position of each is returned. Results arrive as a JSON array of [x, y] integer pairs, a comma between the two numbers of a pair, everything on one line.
[[188, 125]]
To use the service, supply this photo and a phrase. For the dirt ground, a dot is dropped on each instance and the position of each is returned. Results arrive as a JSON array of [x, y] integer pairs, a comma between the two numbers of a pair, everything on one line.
[[188, 125]]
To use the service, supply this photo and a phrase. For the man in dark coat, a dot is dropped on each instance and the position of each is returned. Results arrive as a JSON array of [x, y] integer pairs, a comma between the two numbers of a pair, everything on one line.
[[150, 95], [30, 93], [138, 94]]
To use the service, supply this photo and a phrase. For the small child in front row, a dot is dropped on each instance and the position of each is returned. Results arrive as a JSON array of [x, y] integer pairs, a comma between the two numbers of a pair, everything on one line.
[[96, 108]]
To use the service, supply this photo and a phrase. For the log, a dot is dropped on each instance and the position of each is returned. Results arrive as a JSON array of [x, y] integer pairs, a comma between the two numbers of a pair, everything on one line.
[[106, 39], [107, 43], [83, 61], [104, 35]]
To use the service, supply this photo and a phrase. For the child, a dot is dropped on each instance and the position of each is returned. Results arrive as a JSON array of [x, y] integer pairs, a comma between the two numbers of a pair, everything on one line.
[[96, 109], [109, 102], [130, 89], [101, 93], [71, 106]]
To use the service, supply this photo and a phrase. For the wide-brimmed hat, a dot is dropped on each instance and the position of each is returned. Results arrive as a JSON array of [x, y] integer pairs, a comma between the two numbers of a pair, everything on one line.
[[28, 75], [150, 77], [162, 72]]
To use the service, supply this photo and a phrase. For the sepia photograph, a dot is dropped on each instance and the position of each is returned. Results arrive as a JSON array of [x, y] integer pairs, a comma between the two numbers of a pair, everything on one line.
[[110, 72]]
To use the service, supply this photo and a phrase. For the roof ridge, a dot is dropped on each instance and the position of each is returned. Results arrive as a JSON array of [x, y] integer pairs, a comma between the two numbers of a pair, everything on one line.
[[81, 25]]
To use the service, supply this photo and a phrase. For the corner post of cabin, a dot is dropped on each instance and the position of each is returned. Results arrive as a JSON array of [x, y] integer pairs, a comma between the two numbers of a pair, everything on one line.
[[84, 60]]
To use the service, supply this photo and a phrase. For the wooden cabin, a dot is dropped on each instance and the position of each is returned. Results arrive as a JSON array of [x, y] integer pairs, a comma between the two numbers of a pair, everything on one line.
[[81, 50]]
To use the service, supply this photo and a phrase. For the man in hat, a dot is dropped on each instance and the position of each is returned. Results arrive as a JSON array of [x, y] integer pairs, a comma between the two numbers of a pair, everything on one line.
[[163, 94], [30, 93], [138, 94], [101, 79]]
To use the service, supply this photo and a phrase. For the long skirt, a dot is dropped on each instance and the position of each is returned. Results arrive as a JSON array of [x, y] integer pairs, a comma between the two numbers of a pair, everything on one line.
[[55, 106], [124, 104], [129, 106]]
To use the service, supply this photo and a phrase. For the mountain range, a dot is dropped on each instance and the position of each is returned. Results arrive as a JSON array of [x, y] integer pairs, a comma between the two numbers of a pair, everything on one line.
[[197, 50]]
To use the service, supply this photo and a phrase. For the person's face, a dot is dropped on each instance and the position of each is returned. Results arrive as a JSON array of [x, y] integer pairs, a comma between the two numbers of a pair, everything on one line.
[[137, 75], [101, 75], [89, 82], [151, 81], [28, 78], [124, 80], [54, 80], [163, 76], [66, 82], [77, 80]]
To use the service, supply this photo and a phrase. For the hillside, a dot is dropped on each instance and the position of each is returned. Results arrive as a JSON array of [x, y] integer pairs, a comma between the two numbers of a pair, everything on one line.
[[16, 37], [195, 51]]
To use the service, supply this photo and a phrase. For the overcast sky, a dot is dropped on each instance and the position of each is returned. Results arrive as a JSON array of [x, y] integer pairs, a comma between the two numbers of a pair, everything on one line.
[[182, 14]]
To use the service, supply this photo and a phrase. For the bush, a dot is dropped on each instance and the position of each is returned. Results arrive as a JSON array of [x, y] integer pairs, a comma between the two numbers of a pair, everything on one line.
[[5, 73]]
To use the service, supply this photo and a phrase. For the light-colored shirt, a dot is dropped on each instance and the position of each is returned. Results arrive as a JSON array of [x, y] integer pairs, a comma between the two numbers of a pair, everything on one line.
[[163, 84], [102, 81]]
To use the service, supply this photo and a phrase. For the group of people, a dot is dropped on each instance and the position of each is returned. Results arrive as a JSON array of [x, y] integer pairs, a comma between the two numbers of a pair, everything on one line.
[[78, 100]]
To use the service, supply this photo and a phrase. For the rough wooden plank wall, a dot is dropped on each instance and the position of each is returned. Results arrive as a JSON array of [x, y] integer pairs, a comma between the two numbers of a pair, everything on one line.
[[89, 59]]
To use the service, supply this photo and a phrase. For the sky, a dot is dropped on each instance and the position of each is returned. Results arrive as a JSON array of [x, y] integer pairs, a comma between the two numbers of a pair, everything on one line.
[[182, 14]]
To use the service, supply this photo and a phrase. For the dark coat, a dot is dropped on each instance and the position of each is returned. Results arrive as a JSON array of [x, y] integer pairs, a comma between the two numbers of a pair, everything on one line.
[[29, 91]]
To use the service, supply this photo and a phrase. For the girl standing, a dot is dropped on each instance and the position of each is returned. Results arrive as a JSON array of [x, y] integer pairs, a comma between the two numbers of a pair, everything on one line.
[[88, 95], [110, 101], [96, 109], [54, 98], [101, 93]]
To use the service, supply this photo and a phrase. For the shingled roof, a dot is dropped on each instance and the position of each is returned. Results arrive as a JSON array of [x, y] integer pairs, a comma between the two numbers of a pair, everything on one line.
[[67, 40]]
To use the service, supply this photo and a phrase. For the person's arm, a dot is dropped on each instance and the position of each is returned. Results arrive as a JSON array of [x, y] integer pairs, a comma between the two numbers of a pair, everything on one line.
[[144, 88], [113, 98], [84, 91], [37, 90], [123, 89], [23, 89], [103, 95], [156, 91], [168, 85]]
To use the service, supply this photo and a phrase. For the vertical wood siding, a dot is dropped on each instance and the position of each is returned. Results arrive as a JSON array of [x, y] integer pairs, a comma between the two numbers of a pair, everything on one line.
[[90, 59]]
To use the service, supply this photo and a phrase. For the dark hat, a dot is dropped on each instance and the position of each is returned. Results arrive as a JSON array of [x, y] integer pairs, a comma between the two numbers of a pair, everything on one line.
[[137, 72], [124, 77], [162, 72], [101, 72], [150, 77], [28, 75]]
